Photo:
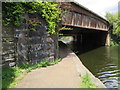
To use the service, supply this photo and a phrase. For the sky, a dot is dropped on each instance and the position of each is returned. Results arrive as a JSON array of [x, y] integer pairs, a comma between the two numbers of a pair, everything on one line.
[[100, 6]]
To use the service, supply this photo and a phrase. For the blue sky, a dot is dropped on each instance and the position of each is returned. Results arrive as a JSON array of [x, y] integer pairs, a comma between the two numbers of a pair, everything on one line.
[[100, 6]]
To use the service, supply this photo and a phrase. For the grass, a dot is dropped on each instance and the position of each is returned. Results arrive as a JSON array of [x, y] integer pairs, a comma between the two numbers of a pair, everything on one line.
[[87, 82], [8, 75], [12, 75]]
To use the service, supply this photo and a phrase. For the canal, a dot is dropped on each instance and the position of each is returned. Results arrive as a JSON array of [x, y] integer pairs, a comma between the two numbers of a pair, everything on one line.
[[102, 61]]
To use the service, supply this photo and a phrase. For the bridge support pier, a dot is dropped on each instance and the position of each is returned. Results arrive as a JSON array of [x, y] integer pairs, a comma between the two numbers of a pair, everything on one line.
[[75, 38], [108, 39]]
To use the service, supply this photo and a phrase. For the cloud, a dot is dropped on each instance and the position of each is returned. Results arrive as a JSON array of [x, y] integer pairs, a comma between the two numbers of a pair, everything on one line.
[[113, 9], [99, 6]]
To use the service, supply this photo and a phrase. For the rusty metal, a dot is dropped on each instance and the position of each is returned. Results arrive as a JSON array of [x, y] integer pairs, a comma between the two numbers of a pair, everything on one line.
[[78, 16]]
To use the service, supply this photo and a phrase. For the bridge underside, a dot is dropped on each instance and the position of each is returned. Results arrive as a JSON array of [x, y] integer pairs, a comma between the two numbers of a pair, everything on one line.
[[86, 37], [88, 27]]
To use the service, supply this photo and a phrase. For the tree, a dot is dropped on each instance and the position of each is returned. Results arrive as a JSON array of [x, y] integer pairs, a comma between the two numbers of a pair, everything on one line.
[[114, 20]]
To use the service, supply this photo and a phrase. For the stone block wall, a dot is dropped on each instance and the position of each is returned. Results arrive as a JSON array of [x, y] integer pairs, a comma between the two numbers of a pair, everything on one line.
[[8, 46], [32, 42]]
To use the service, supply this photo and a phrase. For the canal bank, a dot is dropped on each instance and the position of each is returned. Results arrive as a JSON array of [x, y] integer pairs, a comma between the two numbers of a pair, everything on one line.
[[66, 74], [67, 53], [102, 61]]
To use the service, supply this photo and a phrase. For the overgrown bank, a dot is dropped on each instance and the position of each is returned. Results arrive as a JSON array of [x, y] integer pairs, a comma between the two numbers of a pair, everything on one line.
[[12, 75], [33, 22], [114, 20], [29, 32]]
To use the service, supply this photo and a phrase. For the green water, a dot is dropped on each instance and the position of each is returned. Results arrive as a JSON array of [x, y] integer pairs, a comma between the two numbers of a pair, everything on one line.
[[101, 61]]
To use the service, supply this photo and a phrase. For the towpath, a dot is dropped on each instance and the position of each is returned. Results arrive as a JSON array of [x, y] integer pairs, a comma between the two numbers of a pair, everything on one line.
[[66, 74], [62, 75]]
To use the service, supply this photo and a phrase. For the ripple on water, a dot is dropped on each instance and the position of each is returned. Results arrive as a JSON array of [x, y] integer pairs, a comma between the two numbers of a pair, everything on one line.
[[102, 62]]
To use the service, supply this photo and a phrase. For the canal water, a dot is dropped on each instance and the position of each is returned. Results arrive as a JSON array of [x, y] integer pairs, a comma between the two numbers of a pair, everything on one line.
[[102, 61]]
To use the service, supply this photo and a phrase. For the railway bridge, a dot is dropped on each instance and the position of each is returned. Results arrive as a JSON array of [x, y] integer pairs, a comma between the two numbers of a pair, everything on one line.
[[22, 44], [87, 26]]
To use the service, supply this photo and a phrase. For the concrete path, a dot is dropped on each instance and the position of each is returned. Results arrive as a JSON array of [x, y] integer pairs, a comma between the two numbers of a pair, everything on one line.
[[65, 74], [62, 75]]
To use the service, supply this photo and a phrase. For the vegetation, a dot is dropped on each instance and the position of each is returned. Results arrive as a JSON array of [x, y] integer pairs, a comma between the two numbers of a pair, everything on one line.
[[12, 75], [114, 41], [13, 12], [114, 21], [65, 38], [86, 82]]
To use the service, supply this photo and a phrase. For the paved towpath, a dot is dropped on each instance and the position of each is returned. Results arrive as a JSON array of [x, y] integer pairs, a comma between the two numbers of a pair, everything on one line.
[[62, 75], [65, 74]]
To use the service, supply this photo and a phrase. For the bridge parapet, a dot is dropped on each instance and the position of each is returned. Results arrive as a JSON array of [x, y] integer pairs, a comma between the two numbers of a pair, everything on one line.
[[78, 16]]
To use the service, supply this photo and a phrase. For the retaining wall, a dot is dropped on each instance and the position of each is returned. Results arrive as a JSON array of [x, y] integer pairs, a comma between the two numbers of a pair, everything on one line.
[[28, 43]]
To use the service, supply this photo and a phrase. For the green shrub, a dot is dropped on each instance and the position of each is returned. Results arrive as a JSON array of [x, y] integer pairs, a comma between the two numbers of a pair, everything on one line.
[[8, 76], [14, 11], [87, 82]]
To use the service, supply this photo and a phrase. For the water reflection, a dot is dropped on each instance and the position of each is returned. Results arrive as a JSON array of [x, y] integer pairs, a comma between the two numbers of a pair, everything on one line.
[[101, 61]]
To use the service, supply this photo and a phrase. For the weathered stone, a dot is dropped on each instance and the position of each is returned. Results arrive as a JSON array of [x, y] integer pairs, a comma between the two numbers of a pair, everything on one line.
[[29, 46], [51, 59], [11, 64], [49, 40]]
